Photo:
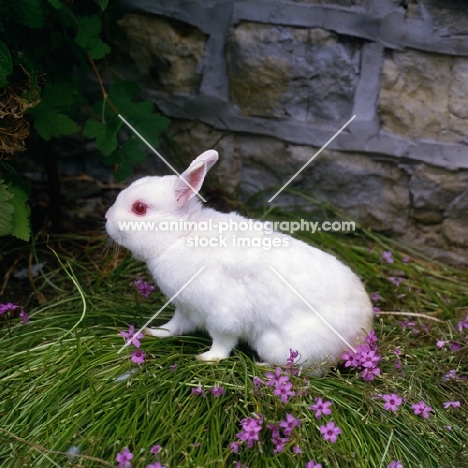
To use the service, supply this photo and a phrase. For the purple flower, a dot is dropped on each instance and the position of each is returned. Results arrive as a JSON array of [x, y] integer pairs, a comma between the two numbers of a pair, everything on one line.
[[392, 402], [375, 297], [454, 346], [397, 351], [257, 381], [371, 339], [352, 359], [462, 324], [406, 259], [453, 404], [24, 316], [395, 280], [289, 424], [312, 464], [451, 374], [123, 458], [250, 432], [330, 431], [217, 391], [440, 343], [370, 373], [138, 357], [321, 407], [284, 391], [198, 391], [173, 367], [144, 288], [387, 256], [234, 446], [155, 449], [395, 464], [131, 337], [7, 307], [297, 449], [422, 409], [369, 359], [293, 355], [275, 379], [449, 428]]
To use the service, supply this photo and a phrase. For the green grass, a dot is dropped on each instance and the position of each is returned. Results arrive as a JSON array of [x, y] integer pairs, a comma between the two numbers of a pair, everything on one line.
[[61, 379]]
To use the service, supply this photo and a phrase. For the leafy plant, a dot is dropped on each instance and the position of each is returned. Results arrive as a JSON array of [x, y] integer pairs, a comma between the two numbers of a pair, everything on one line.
[[48, 48]]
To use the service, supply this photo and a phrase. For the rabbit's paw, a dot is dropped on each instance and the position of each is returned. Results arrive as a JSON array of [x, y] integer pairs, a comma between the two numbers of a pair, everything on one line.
[[158, 332], [212, 356]]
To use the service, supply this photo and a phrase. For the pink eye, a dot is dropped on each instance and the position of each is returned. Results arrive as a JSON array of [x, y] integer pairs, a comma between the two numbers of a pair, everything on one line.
[[139, 208]]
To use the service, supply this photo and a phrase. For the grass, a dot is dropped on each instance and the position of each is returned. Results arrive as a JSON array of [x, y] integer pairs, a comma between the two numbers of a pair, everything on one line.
[[63, 383]]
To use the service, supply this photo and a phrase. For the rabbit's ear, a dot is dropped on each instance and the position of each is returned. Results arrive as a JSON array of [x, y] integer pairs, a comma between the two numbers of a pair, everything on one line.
[[191, 180]]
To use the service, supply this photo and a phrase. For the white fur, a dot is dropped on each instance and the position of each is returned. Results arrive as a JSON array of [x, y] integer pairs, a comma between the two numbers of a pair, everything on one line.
[[237, 296]]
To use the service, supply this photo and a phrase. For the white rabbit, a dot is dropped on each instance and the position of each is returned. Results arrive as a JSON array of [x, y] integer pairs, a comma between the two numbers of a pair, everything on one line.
[[320, 312]]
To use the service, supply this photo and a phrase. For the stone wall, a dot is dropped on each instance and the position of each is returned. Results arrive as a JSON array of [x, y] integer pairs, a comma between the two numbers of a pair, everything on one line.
[[268, 82]]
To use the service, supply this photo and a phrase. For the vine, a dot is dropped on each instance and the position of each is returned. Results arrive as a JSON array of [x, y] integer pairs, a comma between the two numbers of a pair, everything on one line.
[[43, 44]]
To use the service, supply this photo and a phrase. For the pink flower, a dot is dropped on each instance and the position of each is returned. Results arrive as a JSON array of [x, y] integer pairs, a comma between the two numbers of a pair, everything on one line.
[[440, 343], [7, 307], [375, 297], [321, 407], [387, 256], [155, 449], [123, 459], [234, 446], [454, 346], [370, 373], [422, 409], [251, 428], [24, 316], [406, 259], [144, 288], [395, 280], [131, 337], [258, 382], [330, 431], [138, 357], [453, 404], [284, 391], [217, 391], [198, 391], [297, 449], [289, 424], [312, 464], [392, 402], [395, 464], [369, 359], [275, 379]]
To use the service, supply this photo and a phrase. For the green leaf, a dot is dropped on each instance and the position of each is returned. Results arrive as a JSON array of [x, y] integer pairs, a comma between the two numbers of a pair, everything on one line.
[[29, 12], [57, 4], [50, 119], [88, 36], [20, 226], [105, 133], [6, 64], [103, 4], [6, 210], [48, 124], [124, 157]]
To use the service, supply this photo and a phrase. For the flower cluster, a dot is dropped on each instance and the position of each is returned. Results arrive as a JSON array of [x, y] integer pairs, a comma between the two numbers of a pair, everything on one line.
[[250, 432], [124, 458], [6, 309], [365, 357], [132, 338], [281, 383]]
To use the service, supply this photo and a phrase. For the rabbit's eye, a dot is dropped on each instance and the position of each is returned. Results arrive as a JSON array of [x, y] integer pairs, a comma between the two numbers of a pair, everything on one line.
[[139, 208]]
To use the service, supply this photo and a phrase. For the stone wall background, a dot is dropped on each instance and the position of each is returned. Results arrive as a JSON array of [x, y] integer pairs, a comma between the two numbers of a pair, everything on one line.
[[268, 82]]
